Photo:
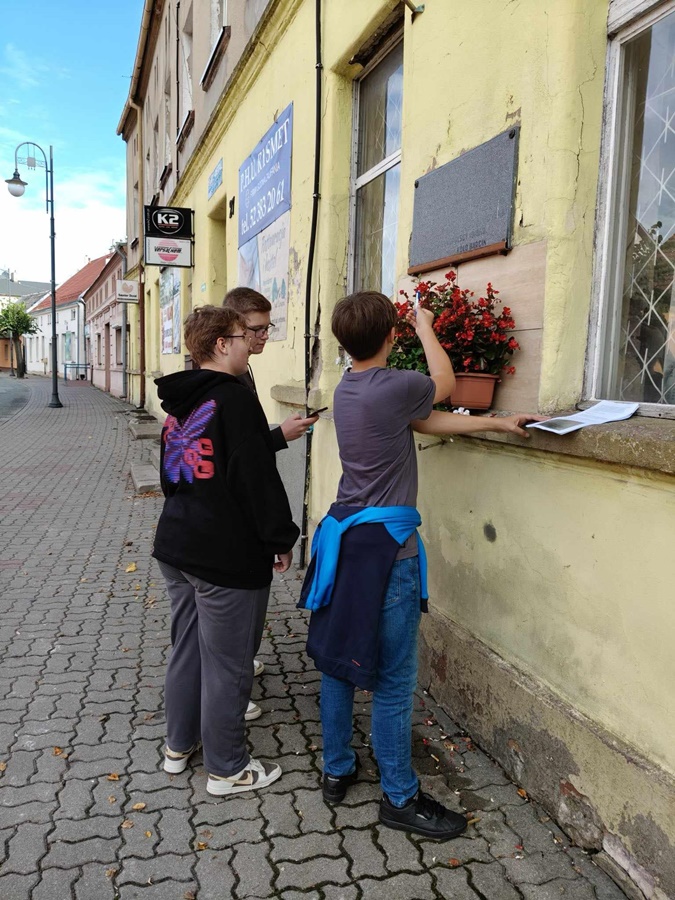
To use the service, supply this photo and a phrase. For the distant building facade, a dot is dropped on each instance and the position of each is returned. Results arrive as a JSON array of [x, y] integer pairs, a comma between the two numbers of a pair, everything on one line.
[[12, 291], [70, 322], [107, 328]]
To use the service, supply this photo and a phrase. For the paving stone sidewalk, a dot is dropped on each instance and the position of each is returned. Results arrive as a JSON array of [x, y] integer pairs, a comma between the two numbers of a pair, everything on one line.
[[85, 811]]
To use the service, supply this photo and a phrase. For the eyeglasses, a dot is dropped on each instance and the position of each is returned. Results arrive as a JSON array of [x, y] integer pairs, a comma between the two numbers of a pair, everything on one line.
[[260, 330], [244, 336]]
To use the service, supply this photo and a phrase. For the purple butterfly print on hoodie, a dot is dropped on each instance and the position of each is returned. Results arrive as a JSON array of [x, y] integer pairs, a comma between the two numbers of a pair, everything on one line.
[[185, 448]]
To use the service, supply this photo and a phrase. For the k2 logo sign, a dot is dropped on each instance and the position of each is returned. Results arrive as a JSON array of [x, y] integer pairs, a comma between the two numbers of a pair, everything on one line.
[[171, 221]]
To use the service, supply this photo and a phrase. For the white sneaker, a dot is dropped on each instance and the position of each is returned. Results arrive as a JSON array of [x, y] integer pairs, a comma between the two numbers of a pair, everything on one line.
[[175, 762], [255, 775], [253, 711], [258, 667]]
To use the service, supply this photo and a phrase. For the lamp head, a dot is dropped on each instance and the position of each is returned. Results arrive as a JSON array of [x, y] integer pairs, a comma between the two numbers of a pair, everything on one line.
[[15, 185]]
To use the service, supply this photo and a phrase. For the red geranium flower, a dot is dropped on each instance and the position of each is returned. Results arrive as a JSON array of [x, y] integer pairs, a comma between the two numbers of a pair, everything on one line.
[[472, 331]]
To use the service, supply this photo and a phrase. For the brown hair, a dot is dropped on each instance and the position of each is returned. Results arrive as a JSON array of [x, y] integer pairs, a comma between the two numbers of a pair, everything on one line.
[[245, 300], [362, 321], [205, 325]]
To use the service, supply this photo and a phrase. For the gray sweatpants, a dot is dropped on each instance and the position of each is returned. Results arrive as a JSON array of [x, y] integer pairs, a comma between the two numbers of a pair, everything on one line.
[[215, 633]]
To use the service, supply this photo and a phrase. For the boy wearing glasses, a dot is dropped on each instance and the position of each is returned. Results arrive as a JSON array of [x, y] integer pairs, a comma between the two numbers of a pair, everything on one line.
[[256, 311]]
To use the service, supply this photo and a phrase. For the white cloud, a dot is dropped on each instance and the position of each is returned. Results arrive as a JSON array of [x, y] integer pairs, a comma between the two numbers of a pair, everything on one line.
[[25, 70], [88, 214]]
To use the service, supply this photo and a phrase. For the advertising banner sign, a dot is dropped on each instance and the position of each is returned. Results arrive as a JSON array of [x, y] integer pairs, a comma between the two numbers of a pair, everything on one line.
[[126, 292], [169, 310], [265, 179], [263, 266], [168, 252]]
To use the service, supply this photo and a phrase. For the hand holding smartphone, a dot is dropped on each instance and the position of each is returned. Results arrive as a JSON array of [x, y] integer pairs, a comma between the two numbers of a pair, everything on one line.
[[315, 412]]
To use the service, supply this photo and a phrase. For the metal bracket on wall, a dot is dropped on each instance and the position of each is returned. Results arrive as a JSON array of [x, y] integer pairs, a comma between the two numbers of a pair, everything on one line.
[[416, 10]]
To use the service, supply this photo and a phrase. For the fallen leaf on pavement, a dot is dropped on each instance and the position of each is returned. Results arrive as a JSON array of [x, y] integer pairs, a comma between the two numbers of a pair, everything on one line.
[[127, 823], [202, 845], [131, 567], [453, 863], [112, 799], [110, 873], [472, 821], [3, 766], [522, 793], [57, 751], [148, 834], [138, 806], [113, 776]]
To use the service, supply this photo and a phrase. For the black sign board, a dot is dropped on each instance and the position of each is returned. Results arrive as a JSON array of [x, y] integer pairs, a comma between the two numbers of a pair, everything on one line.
[[464, 209], [168, 222]]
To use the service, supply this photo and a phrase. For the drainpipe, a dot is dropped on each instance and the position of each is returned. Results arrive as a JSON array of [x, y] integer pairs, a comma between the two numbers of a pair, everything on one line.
[[141, 292], [81, 338], [125, 322], [178, 123], [308, 287]]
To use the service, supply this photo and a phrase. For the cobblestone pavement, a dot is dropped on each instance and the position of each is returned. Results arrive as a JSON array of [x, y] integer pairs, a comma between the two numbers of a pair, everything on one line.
[[86, 813]]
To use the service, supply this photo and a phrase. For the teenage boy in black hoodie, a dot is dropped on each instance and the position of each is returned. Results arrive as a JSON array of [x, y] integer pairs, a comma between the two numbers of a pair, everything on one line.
[[225, 519]]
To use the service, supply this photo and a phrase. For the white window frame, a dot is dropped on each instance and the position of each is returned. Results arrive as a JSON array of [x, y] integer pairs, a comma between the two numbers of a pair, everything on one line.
[[356, 182], [627, 19]]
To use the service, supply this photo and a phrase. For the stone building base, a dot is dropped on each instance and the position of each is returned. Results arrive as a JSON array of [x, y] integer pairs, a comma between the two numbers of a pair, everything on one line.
[[602, 792]]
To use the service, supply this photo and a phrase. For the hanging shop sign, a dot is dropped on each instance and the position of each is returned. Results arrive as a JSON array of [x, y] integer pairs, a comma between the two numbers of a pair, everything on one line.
[[265, 179], [168, 236], [126, 292], [168, 252]]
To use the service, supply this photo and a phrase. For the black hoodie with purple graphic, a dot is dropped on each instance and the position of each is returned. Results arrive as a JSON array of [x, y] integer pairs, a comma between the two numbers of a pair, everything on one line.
[[226, 514]]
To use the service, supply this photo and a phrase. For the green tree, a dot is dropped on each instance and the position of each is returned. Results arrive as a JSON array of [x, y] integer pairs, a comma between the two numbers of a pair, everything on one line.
[[15, 322]]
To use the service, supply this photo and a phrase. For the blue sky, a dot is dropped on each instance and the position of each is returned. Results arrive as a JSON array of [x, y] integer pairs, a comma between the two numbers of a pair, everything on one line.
[[65, 70]]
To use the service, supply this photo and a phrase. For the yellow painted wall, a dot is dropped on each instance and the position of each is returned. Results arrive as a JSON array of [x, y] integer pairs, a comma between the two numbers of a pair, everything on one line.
[[575, 590]]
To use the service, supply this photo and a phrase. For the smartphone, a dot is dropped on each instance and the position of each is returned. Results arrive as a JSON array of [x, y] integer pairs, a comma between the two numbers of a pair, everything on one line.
[[315, 412]]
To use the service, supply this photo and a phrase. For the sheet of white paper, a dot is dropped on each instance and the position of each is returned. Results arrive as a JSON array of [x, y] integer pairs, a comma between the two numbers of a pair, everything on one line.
[[604, 411]]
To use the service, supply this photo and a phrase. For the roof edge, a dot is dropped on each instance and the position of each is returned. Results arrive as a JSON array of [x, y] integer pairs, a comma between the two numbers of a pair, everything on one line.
[[150, 7]]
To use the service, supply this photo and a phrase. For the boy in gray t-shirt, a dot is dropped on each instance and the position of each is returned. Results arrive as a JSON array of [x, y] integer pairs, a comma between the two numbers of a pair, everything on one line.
[[375, 410]]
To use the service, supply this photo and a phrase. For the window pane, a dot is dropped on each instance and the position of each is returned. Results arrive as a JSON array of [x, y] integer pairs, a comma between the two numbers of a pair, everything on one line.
[[646, 342], [380, 99], [376, 229]]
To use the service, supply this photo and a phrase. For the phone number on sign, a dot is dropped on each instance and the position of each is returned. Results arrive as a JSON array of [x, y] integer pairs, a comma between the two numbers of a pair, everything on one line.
[[263, 207]]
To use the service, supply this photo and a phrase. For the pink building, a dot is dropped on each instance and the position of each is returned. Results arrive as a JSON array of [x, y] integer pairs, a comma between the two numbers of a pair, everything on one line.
[[107, 331]]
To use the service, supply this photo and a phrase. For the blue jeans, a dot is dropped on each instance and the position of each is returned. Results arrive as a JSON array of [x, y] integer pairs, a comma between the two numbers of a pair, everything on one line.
[[395, 683]]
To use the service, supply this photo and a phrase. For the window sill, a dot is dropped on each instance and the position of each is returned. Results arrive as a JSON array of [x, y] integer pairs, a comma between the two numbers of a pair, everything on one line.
[[164, 177], [638, 442], [216, 56], [185, 129], [291, 394]]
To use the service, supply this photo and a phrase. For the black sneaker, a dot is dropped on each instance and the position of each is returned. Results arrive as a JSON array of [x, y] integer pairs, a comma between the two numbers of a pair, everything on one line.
[[423, 815], [335, 786]]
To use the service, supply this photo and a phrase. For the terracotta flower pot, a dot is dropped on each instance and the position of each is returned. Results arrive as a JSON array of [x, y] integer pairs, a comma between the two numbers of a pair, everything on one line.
[[474, 390]]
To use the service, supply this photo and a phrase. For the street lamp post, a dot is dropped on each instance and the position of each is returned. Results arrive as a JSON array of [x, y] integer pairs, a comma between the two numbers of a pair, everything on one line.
[[16, 188]]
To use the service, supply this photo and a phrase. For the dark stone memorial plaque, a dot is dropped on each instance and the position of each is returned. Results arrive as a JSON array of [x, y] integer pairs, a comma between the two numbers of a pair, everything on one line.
[[464, 209]]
